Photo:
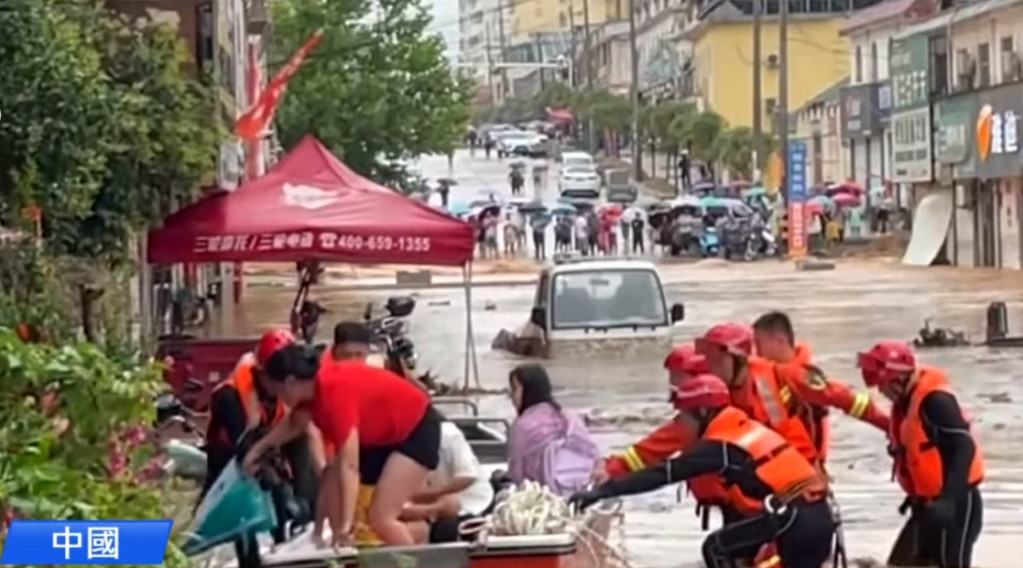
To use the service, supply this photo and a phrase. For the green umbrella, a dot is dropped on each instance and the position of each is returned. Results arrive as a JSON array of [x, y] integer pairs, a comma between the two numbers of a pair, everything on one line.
[[754, 192], [711, 201], [823, 200]]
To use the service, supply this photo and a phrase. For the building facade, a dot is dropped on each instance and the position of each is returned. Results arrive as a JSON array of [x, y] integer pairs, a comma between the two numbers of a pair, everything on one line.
[[479, 34], [970, 56], [818, 124], [866, 102], [722, 61], [612, 57], [663, 57], [536, 16]]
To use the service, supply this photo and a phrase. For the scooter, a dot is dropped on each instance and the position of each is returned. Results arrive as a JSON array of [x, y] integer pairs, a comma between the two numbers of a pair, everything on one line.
[[710, 242]]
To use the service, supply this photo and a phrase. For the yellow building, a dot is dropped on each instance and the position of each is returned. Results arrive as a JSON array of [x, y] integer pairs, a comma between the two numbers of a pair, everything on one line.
[[536, 16], [723, 62]]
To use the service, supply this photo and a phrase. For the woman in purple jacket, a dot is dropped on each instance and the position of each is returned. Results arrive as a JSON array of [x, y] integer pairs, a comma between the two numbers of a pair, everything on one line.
[[548, 444]]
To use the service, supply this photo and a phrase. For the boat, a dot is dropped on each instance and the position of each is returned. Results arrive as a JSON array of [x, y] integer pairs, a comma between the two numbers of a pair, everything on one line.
[[583, 547]]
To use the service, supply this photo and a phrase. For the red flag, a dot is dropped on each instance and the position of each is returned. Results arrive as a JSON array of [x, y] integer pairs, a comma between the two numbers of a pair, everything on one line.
[[254, 122]]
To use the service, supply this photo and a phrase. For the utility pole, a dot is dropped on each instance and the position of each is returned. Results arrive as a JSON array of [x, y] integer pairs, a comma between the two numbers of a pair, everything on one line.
[[637, 154], [783, 96], [758, 95], [571, 46], [490, 63], [587, 50], [591, 137], [504, 47]]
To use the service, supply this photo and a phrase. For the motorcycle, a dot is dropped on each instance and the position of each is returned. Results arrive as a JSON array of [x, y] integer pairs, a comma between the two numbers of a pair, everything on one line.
[[390, 334], [178, 434]]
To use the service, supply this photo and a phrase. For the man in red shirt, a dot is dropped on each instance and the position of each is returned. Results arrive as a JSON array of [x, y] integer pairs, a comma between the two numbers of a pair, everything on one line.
[[367, 413]]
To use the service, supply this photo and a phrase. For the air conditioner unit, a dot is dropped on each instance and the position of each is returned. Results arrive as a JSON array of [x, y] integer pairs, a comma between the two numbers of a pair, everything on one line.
[[966, 72], [773, 61]]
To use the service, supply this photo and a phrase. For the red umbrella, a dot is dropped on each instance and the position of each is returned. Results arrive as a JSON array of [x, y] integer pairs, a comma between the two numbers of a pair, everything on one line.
[[849, 186], [813, 208], [846, 199]]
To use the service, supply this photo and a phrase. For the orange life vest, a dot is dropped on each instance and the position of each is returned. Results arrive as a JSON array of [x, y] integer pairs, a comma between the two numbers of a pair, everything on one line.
[[244, 381], [773, 406], [918, 467], [778, 464]]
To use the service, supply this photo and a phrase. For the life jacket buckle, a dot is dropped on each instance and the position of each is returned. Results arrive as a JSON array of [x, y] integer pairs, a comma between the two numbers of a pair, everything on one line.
[[775, 505]]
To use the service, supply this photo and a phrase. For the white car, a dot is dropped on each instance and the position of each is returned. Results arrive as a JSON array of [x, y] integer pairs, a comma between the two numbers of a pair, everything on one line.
[[527, 144], [577, 159], [579, 181], [604, 305]]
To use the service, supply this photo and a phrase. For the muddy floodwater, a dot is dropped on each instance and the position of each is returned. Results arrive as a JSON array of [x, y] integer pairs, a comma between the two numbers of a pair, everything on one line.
[[838, 312]]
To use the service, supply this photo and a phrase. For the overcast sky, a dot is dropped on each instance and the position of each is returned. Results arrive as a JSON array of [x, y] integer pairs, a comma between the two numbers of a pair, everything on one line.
[[445, 21]]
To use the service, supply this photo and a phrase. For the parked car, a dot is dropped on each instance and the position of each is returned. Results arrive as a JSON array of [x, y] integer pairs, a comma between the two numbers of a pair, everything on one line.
[[579, 181], [526, 144]]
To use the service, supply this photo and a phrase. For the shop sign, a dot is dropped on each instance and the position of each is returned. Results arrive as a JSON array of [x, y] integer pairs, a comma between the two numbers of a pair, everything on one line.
[[796, 174], [911, 146], [954, 126], [861, 111], [997, 128], [909, 70]]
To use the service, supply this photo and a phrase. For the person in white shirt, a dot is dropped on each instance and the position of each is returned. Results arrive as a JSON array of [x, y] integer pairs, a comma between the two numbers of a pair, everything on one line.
[[456, 490]]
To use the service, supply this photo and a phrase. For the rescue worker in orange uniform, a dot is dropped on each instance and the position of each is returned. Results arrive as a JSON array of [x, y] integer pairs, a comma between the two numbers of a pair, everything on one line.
[[790, 398], [777, 489], [243, 403], [682, 363], [937, 460]]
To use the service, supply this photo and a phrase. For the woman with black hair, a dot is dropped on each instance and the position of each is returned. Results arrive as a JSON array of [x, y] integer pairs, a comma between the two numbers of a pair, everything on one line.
[[548, 444], [370, 415]]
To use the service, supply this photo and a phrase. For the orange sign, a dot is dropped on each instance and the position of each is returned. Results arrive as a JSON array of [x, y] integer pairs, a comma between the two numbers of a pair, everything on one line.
[[984, 124]]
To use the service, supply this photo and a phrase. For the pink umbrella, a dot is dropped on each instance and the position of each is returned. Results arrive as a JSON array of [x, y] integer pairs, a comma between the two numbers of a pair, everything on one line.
[[813, 208], [846, 200], [850, 186]]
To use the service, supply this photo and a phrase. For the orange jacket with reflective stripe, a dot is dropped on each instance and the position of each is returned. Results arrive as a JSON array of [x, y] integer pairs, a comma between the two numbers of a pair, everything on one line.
[[778, 464], [918, 466], [770, 404], [244, 381]]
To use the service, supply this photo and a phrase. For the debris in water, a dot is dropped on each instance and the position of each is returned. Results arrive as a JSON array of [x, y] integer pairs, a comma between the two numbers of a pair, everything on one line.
[[439, 303], [996, 397], [489, 306]]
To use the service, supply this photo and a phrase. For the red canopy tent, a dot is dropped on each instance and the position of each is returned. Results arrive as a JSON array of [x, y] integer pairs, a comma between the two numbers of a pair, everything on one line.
[[311, 206]]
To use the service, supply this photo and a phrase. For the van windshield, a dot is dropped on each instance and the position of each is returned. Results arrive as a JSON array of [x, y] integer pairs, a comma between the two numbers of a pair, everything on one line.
[[607, 299]]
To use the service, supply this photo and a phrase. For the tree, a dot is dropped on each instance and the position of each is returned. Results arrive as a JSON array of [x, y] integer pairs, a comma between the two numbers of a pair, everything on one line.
[[101, 124], [377, 87]]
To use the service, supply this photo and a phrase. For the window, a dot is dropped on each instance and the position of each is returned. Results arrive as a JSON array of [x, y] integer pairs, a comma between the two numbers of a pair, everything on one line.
[[563, 20], [939, 65], [602, 299], [858, 66], [983, 65], [873, 62], [1008, 59]]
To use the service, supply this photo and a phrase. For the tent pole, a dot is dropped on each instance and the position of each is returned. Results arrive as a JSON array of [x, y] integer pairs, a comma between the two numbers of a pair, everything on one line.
[[472, 337], [470, 344]]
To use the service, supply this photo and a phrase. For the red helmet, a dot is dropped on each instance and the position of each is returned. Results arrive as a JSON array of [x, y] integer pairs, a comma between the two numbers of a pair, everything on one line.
[[685, 359], [271, 342], [734, 338], [885, 362], [702, 391]]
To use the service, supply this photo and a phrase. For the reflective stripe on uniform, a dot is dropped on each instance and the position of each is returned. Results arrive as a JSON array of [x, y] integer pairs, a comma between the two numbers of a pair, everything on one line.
[[859, 405], [786, 395], [772, 405], [770, 562], [746, 440], [632, 459]]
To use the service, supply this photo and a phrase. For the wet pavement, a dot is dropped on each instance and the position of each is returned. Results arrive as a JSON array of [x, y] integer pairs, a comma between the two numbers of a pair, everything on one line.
[[839, 312]]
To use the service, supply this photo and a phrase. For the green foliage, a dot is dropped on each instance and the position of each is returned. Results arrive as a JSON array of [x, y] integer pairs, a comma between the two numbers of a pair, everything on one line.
[[377, 89], [60, 456], [101, 127]]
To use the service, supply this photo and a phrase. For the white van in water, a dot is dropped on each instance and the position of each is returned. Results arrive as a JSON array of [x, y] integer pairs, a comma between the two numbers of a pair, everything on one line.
[[603, 304]]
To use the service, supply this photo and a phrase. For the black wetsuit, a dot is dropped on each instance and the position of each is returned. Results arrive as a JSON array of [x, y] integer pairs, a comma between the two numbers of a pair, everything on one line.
[[228, 423], [945, 530], [802, 531]]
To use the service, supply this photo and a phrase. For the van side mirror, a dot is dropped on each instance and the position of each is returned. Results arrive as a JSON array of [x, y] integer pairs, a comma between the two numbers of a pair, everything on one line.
[[538, 317], [678, 313]]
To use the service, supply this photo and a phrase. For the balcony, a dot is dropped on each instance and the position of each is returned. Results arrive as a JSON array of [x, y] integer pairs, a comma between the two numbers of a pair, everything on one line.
[[257, 17]]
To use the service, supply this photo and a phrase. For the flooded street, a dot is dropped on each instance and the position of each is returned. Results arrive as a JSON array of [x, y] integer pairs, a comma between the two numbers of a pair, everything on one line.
[[838, 312]]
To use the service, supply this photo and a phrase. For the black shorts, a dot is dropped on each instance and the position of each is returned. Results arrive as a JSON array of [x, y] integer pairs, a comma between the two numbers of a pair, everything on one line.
[[422, 445]]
